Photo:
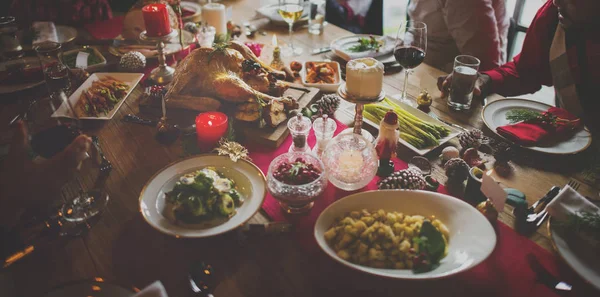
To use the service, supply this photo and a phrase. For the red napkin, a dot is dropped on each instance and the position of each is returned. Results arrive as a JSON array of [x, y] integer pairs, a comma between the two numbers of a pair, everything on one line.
[[533, 133]]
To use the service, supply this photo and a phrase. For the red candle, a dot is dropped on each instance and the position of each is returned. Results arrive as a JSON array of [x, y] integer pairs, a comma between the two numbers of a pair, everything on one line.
[[156, 18], [210, 127]]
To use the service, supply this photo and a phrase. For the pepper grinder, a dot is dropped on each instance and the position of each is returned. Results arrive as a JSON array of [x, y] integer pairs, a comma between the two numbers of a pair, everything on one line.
[[324, 128], [299, 127]]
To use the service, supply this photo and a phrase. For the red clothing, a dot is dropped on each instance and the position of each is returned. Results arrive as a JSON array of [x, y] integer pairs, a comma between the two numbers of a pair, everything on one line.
[[531, 68]]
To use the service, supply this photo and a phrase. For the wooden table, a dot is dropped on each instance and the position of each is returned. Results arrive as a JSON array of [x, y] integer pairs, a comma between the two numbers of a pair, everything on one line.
[[123, 248]]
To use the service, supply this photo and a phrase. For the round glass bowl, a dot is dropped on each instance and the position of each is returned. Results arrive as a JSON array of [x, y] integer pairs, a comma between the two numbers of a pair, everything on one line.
[[351, 161], [296, 198]]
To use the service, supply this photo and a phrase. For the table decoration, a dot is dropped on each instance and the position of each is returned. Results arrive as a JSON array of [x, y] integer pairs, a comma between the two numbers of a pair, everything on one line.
[[386, 143], [133, 61], [407, 179], [457, 171], [470, 139], [350, 160], [324, 129], [448, 153], [420, 163], [473, 194], [492, 190], [503, 153], [327, 104], [255, 47], [214, 14], [276, 63], [163, 74], [473, 159], [206, 35], [233, 149], [488, 210], [424, 100], [299, 127], [210, 128], [156, 19], [192, 27], [296, 180]]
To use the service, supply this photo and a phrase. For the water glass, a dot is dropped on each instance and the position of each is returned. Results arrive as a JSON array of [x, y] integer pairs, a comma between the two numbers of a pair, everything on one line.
[[9, 42], [316, 17], [56, 73], [464, 75]]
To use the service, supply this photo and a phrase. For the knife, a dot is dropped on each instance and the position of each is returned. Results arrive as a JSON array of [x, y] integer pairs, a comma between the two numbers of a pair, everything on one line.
[[545, 277], [320, 50]]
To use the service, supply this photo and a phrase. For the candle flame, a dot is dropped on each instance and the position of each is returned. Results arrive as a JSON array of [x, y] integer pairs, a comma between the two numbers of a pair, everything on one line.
[[274, 40]]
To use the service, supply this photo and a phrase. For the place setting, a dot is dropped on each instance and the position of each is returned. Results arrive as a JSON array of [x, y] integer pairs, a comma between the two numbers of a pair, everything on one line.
[[214, 131]]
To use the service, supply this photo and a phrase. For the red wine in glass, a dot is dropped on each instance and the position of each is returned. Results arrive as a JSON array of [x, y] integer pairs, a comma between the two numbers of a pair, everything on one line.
[[409, 56]]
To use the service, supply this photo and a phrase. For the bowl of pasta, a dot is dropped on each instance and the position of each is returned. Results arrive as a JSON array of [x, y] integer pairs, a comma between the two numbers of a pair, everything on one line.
[[405, 234]]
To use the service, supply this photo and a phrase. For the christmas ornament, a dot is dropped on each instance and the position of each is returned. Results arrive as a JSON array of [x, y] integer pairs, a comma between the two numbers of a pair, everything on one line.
[[387, 142], [449, 153], [421, 163], [503, 153], [432, 184], [133, 61], [408, 179], [457, 170], [191, 27], [470, 139], [234, 150], [488, 210], [471, 156], [424, 99], [328, 104]]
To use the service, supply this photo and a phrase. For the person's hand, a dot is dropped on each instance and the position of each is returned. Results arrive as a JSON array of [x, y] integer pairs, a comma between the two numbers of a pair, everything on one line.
[[481, 84], [25, 183]]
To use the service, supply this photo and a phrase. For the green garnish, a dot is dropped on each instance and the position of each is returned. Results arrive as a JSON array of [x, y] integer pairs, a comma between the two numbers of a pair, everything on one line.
[[295, 170], [432, 248], [527, 115], [365, 44], [587, 222]]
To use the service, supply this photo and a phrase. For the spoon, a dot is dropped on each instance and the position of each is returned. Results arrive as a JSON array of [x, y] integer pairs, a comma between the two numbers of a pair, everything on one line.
[[202, 279]]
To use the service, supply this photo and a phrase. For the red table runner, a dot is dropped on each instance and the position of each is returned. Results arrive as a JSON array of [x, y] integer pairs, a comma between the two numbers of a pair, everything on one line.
[[505, 273]]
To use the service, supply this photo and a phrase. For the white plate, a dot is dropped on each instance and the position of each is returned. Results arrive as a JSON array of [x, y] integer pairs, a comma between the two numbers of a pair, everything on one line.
[[250, 182], [90, 288], [586, 263], [30, 62], [494, 116], [64, 34], [417, 113], [324, 87], [472, 238], [150, 52], [131, 79], [341, 45]]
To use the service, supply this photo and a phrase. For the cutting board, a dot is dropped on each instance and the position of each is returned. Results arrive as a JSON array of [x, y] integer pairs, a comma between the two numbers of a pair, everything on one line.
[[250, 132]]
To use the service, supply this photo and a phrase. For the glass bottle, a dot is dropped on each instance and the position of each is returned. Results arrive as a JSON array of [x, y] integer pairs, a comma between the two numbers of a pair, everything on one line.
[[299, 127], [324, 128]]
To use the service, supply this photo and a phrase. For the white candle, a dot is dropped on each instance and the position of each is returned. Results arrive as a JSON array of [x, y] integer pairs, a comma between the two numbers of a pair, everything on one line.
[[350, 165], [214, 14]]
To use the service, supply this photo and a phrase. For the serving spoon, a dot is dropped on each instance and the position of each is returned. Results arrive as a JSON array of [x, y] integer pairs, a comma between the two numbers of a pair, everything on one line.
[[202, 279]]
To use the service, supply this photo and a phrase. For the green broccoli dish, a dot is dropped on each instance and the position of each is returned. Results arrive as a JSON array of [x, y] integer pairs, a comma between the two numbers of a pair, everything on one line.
[[203, 195]]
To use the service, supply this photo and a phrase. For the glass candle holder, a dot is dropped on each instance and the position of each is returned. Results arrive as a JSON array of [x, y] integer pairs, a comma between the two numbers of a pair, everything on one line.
[[351, 161], [297, 197], [299, 127], [324, 128], [206, 35], [210, 128]]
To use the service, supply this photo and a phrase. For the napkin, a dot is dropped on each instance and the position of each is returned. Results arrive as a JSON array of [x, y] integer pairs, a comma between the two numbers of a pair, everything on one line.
[[569, 202], [530, 133], [47, 32], [156, 289]]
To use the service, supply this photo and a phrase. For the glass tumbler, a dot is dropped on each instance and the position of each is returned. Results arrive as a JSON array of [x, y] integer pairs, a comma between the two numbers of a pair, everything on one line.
[[56, 73], [316, 17], [10, 46], [464, 75]]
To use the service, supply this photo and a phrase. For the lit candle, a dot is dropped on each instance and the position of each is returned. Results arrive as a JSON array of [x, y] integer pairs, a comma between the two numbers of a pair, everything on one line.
[[156, 19], [214, 14], [350, 165], [277, 63], [210, 128]]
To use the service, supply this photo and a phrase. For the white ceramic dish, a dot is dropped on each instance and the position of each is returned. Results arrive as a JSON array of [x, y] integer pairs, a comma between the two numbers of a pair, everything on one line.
[[472, 238], [65, 34], [91, 67], [131, 79], [30, 62], [584, 262], [494, 116], [340, 47], [250, 182], [419, 114], [324, 87]]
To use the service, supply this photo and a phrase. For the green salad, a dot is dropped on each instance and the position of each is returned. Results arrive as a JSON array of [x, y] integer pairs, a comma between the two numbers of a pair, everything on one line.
[[203, 195], [93, 59]]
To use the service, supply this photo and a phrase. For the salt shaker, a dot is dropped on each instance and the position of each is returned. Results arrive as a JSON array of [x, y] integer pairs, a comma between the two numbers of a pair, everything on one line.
[[299, 127], [324, 128]]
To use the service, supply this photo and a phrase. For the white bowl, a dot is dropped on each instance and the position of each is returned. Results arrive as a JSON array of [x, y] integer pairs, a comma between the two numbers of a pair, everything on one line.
[[249, 179], [324, 87], [472, 238]]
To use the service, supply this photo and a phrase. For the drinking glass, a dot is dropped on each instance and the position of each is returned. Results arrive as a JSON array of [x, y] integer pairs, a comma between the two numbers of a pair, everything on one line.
[[316, 17], [411, 45], [9, 42], [464, 75], [291, 11], [56, 73]]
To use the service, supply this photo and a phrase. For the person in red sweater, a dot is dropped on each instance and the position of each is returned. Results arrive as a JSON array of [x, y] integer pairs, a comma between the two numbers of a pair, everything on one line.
[[561, 49]]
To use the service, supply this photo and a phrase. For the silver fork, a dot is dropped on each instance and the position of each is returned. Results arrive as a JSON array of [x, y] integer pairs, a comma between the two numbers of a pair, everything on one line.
[[542, 215], [105, 165]]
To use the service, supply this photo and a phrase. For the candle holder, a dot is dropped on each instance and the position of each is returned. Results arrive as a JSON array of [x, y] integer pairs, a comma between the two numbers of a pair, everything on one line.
[[163, 74], [359, 108]]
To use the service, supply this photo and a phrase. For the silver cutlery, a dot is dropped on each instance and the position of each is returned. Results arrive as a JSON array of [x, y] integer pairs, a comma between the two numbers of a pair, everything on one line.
[[202, 279], [545, 277]]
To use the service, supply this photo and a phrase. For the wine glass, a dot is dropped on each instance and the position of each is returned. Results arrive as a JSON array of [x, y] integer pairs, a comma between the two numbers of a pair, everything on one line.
[[411, 45], [291, 11]]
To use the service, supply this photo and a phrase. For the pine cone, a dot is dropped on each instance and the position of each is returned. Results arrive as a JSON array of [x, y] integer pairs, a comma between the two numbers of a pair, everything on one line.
[[408, 179], [328, 104], [470, 139], [133, 61], [503, 152], [457, 170]]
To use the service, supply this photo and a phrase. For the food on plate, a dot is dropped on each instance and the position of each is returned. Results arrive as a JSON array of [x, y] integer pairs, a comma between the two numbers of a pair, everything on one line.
[[21, 73], [230, 76], [296, 66], [202, 195], [320, 73], [585, 225], [70, 58], [364, 78], [297, 173], [392, 240], [366, 44], [413, 130], [101, 97]]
